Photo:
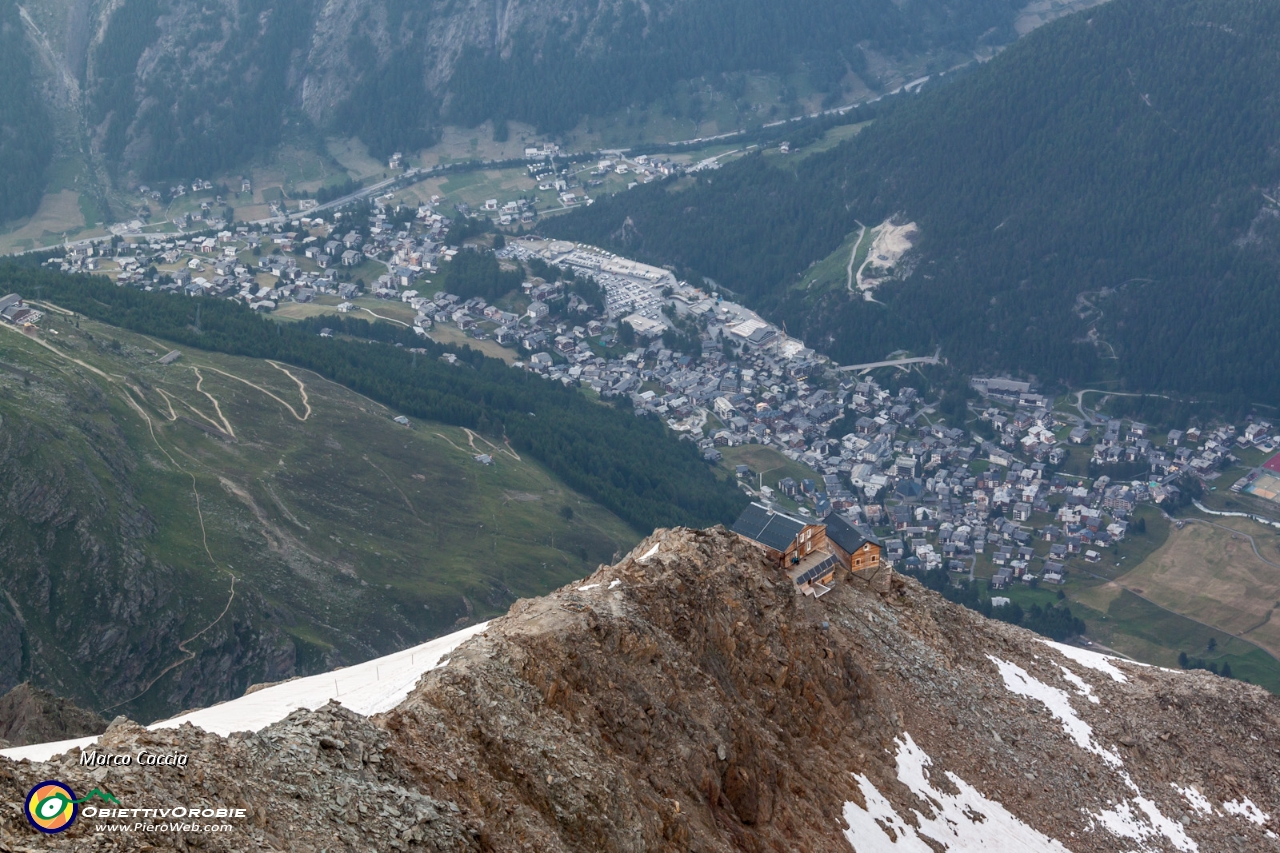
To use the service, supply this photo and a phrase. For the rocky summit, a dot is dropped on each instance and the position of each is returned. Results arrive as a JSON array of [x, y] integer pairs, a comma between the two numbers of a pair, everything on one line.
[[689, 698]]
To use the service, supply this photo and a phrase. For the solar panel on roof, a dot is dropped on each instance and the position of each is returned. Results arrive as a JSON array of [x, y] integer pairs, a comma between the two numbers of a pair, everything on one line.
[[817, 571]]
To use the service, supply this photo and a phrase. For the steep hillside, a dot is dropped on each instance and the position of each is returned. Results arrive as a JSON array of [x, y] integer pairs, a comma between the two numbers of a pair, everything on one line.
[[633, 466], [31, 715], [1098, 200], [170, 534], [179, 89], [688, 698], [25, 126]]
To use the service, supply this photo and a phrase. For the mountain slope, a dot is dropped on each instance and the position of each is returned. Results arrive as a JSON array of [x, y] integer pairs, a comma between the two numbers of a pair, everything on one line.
[[173, 89], [170, 534], [689, 699], [1098, 200], [31, 715], [26, 134]]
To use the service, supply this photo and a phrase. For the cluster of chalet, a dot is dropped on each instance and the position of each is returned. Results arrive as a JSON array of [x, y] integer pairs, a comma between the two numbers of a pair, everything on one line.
[[305, 256], [809, 552]]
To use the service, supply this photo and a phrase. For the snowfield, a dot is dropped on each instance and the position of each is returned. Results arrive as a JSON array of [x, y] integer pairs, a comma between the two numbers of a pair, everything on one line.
[[964, 821], [372, 687], [968, 821]]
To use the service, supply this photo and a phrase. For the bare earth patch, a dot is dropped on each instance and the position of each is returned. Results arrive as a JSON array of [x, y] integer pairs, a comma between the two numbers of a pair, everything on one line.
[[891, 243]]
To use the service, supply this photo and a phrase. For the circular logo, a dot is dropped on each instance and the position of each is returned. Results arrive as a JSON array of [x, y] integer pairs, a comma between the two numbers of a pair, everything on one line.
[[51, 807]]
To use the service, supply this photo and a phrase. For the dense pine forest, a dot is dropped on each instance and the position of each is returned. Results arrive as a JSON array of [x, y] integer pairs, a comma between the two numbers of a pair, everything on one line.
[[631, 465], [1100, 200], [26, 131]]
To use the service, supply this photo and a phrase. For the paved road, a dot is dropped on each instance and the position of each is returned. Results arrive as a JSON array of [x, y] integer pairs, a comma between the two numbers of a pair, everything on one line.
[[900, 362]]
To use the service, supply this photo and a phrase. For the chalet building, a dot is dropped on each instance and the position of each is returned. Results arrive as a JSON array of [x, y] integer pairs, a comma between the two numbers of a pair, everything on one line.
[[803, 549], [857, 550], [786, 540]]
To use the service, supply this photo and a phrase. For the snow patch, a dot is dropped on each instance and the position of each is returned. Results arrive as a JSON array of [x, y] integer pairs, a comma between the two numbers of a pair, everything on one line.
[[1018, 681], [1082, 686], [1198, 801], [650, 552], [615, 582], [372, 687], [587, 587], [1124, 822], [964, 821], [1246, 809], [1086, 658]]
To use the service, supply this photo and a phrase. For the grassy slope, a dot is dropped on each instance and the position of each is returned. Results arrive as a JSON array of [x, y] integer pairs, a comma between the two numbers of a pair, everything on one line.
[[1170, 591], [357, 535]]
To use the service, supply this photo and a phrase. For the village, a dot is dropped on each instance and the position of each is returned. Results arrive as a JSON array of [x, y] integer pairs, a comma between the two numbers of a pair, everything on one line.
[[1025, 491]]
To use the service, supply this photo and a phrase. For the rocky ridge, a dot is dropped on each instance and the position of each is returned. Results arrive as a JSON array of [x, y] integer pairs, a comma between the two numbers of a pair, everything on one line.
[[687, 698], [31, 715]]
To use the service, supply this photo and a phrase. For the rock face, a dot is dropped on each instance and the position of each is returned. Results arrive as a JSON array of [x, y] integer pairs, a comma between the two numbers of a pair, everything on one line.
[[688, 698], [182, 89], [31, 715]]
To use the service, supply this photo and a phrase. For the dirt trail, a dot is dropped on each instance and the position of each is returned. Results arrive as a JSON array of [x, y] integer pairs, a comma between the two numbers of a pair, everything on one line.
[[51, 348], [408, 503], [187, 654], [210, 421], [451, 444], [1253, 542], [49, 306], [302, 389], [388, 319], [292, 410], [226, 425], [1265, 620], [472, 436], [853, 254], [173, 416]]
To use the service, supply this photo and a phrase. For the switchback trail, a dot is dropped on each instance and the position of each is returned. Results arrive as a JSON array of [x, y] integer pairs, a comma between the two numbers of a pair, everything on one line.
[[292, 410], [302, 389], [226, 425], [187, 654]]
